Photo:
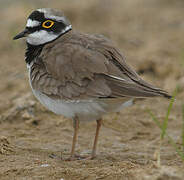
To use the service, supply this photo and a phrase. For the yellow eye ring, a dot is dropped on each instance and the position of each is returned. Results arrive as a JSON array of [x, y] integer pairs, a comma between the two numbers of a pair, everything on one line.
[[48, 24]]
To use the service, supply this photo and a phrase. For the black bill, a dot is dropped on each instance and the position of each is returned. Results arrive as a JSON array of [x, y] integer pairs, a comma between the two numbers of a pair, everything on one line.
[[21, 35]]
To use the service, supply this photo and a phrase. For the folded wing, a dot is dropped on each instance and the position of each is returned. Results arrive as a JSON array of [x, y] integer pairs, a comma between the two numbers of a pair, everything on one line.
[[87, 69]]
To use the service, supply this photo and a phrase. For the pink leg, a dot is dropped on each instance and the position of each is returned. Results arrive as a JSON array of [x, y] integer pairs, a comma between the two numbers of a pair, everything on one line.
[[99, 123], [76, 128]]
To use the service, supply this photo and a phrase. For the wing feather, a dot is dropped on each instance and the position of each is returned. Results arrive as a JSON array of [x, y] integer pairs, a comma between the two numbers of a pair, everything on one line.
[[87, 67]]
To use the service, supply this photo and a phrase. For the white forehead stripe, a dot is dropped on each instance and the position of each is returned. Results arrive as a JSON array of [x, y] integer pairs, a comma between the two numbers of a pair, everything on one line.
[[49, 16], [42, 10], [57, 18], [32, 23]]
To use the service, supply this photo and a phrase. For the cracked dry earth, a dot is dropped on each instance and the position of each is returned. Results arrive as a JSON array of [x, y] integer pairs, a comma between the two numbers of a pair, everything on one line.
[[33, 140]]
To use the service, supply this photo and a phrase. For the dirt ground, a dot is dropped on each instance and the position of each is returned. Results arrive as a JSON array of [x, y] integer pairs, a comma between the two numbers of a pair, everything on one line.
[[32, 139]]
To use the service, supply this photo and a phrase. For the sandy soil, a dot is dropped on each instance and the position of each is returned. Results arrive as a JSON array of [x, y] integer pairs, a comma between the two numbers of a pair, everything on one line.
[[32, 139]]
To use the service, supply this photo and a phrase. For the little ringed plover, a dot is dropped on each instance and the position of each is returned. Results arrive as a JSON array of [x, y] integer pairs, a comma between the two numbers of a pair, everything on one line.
[[78, 75]]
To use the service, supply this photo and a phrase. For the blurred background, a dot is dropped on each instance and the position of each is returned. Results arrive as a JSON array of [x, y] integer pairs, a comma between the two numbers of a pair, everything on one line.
[[149, 33]]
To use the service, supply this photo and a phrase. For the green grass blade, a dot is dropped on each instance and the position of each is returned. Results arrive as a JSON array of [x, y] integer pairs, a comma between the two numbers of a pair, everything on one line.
[[183, 126], [163, 126], [154, 118], [165, 123], [171, 141]]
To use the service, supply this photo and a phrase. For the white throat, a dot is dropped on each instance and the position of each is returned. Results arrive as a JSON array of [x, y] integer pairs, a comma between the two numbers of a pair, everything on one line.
[[40, 37]]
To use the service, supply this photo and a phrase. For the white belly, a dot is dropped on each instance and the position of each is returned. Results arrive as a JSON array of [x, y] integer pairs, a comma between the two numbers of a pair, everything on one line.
[[70, 108], [84, 109]]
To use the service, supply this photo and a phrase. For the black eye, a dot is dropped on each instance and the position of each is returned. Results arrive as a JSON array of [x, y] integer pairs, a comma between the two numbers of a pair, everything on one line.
[[48, 24]]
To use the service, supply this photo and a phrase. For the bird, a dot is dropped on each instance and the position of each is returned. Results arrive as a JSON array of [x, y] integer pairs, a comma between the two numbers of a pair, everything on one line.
[[80, 76]]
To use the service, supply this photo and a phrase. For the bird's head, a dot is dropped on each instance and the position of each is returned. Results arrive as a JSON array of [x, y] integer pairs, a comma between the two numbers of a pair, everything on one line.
[[43, 26]]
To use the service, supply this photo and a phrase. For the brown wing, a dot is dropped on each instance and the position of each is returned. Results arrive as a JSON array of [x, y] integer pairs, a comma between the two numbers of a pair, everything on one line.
[[83, 67], [127, 73]]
